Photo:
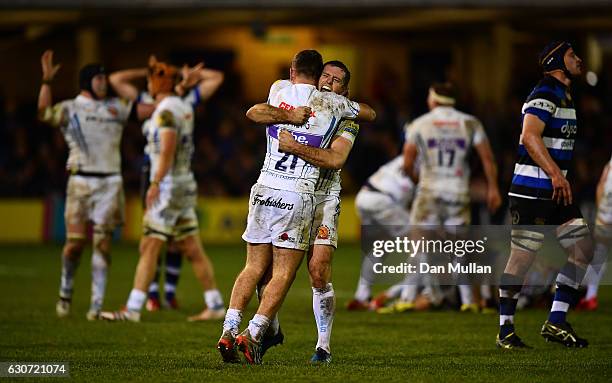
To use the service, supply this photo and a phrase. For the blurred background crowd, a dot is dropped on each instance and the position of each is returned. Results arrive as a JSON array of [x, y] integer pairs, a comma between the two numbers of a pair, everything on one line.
[[489, 52]]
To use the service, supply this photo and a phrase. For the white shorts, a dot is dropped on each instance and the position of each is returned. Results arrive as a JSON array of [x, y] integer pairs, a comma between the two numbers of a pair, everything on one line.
[[279, 217], [448, 210], [324, 229], [173, 215], [99, 200], [379, 209]]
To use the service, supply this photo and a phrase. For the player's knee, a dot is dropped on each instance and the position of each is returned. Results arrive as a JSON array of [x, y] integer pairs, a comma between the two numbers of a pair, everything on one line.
[[572, 233], [74, 247], [190, 249], [575, 238], [526, 240]]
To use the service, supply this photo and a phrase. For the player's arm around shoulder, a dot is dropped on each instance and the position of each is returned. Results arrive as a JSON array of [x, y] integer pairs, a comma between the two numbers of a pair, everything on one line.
[[333, 157], [267, 114], [354, 110]]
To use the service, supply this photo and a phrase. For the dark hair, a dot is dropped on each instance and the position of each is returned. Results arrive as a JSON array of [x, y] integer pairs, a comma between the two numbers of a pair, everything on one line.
[[308, 63], [340, 64], [445, 89], [87, 73]]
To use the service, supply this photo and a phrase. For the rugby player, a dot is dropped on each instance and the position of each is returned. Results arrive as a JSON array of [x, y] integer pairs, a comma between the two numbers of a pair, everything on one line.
[[198, 84], [92, 125], [443, 139], [282, 202], [171, 197], [541, 195], [603, 240], [323, 236], [384, 201]]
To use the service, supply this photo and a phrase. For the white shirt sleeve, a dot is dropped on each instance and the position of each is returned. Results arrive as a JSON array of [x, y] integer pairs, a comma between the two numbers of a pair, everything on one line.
[[276, 87]]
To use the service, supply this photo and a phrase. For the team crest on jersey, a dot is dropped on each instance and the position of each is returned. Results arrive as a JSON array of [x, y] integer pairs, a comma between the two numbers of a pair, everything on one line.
[[323, 232], [112, 110], [165, 119]]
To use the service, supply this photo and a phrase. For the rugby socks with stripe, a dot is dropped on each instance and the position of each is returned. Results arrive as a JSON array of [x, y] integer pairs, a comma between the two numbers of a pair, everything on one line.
[[509, 289], [69, 267], [173, 270], [568, 281], [99, 272], [324, 307]]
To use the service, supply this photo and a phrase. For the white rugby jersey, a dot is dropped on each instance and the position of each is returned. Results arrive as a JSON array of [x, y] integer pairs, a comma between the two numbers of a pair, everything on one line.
[[287, 171], [330, 182], [444, 137], [93, 129], [172, 113], [192, 97], [391, 180]]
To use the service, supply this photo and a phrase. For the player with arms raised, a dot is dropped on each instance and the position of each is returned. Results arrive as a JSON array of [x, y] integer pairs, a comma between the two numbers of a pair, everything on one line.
[[92, 125]]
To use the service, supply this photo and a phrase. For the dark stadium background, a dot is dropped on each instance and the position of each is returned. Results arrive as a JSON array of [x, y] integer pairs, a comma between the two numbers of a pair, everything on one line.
[[488, 48]]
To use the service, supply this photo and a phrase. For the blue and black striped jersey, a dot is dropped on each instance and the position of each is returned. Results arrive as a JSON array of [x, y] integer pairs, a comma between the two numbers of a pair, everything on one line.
[[551, 102]]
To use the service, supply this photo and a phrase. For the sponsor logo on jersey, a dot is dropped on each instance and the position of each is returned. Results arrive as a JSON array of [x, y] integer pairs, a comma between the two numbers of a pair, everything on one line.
[[303, 138], [323, 232], [569, 129], [284, 105], [269, 201]]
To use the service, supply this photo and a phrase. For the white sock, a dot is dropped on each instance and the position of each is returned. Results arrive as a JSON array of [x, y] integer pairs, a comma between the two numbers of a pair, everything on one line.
[[67, 279], [409, 293], [364, 290], [596, 270], [324, 306], [465, 291], [232, 321], [99, 271], [136, 300], [394, 291], [213, 299], [258, 326], [591, 291], [485, 292]]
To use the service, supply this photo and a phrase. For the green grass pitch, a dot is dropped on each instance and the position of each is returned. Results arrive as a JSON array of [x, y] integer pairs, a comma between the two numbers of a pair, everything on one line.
[[434, 346]]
